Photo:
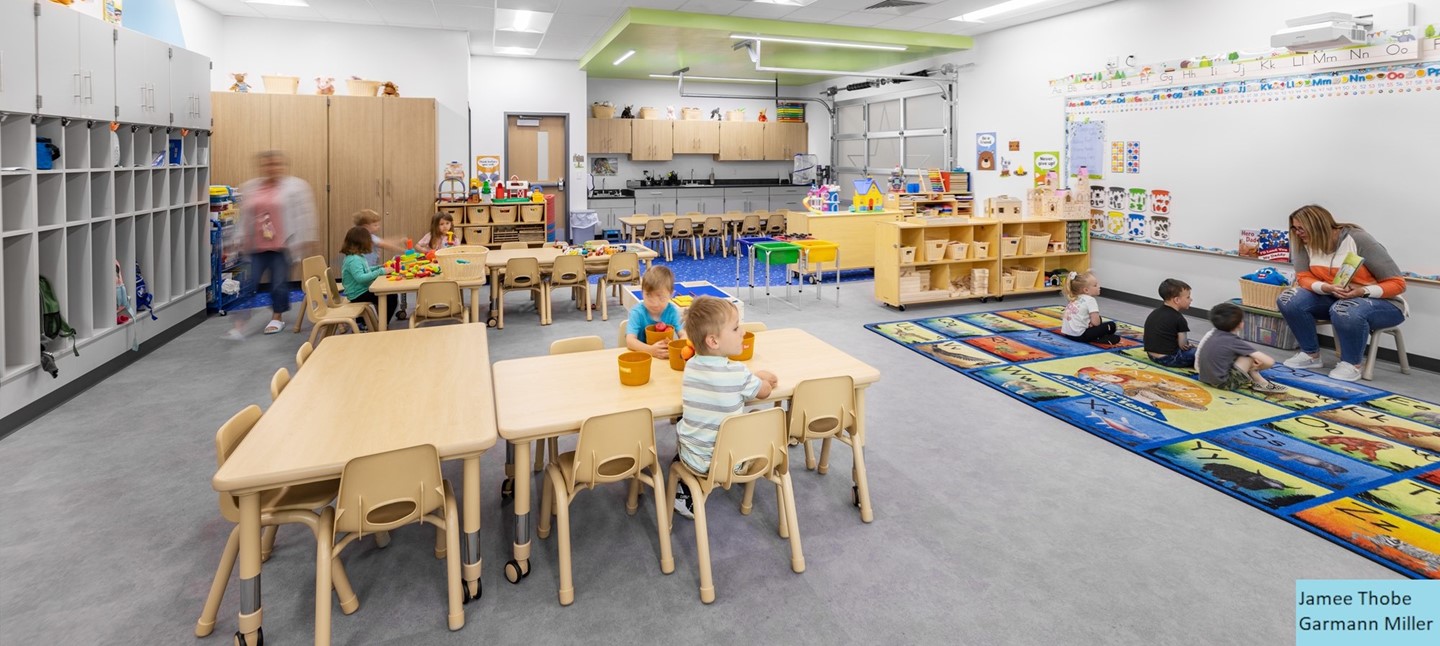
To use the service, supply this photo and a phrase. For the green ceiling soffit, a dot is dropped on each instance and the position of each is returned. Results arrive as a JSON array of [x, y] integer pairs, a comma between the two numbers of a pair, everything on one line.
[[665, 41]]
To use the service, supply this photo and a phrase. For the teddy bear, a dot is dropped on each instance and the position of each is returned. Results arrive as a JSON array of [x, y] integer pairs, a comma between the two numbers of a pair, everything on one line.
[[240, 84], [325, 85], [388, 89]]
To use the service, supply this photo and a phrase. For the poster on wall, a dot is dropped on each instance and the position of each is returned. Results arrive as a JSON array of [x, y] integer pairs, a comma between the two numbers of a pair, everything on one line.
[[604, 166], [1132, 156], [985, 151], [487, 168], [1085, 148], [1270, 245], [1046, 162]]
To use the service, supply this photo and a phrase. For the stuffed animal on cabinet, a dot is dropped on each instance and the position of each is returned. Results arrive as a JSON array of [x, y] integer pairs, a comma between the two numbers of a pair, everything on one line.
[[240, 84], [325, 85], [389, 89]]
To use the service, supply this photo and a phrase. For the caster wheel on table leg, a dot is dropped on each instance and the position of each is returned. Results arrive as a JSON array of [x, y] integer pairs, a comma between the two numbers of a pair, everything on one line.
[[999, 298], [467, 595], [492, 322], [507, 491], [902, 308], [259, 638], [222, 312], [516, 570]]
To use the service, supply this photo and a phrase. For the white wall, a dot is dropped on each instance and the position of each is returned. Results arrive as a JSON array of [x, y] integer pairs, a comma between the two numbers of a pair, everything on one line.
[[422, 62], [500, 84], [203, 28]]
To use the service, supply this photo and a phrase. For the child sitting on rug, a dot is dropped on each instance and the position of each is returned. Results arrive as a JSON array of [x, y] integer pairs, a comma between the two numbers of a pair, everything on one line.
[[1082, 315], [1228, 362], [1166, 327]]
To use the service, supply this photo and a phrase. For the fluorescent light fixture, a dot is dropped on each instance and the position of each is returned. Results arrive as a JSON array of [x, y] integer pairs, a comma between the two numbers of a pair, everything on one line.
[[823, 43], [281, 3], [718, 79], [624, 56], [522, 20], [515, 51], [1010, 6]]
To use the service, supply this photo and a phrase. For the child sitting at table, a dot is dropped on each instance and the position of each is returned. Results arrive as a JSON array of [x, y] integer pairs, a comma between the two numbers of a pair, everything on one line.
[[441, 235], [714, 387], [370, 220], [658, 287], [356, 274]]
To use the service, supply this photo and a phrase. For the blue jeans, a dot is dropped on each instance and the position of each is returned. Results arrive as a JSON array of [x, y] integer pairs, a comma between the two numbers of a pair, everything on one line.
[[1352, 318], [1185, 358], [277, 264]]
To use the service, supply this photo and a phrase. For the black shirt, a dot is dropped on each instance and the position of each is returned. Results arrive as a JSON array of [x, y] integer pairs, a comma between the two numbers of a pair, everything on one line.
[[1162, 330]]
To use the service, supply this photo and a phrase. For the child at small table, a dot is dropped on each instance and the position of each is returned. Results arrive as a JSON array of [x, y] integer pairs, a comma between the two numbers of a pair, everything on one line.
[[714, 387], [1228, 362], [657, 287], [1082, 320], [370, 220], [356, 274], [1166, 327], [441, 234]]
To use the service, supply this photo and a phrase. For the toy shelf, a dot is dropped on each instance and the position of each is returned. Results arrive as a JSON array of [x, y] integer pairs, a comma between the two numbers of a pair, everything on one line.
[[492, 225]]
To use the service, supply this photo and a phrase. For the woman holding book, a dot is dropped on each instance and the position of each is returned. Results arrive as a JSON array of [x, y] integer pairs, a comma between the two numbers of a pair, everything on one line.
[[1344, 275]]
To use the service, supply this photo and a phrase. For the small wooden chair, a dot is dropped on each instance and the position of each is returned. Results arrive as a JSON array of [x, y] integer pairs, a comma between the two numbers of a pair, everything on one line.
[[622, 269], [1367, 367], [381, 493], [751, 226], [278, 381], [438, 300], [521, 274], [611, 448], [569, 271], [748, 447], [303, 354], [824, 409], [713, 230], [682, 232], [506, 246], [654, 232], [323, 315], [315, 267], [775, 224]]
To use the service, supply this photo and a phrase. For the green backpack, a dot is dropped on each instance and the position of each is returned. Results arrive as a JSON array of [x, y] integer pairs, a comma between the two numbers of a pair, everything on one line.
[[52, 324]]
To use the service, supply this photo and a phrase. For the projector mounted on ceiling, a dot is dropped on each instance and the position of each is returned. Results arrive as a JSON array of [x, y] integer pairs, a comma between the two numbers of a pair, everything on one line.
[[1322, 31]]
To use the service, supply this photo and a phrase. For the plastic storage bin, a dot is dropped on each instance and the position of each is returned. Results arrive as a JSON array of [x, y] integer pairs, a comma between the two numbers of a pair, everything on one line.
[[777, 253], [1266, 327]]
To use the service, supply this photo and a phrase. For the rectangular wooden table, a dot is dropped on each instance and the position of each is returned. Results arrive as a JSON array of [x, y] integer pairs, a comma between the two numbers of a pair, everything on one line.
[[635, 223], [495, 264], [792, 354], [383, 287], [345, 404]]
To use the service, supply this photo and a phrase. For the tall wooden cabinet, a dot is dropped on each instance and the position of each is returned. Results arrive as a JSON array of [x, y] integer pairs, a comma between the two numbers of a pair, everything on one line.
[[652, 140], [785, 140]]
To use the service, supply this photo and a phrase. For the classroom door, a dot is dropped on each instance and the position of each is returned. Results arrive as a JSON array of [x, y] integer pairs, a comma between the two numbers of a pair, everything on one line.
[[535, 151]]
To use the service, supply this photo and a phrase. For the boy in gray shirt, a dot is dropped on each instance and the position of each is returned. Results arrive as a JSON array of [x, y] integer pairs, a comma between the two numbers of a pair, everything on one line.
[[1228, 362]]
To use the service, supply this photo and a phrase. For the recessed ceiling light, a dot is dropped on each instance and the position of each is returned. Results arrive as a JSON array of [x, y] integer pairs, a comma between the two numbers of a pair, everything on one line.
[[1010, 6], [624, 56], [720, 79], [823, 43], [515, 51], [281, 3], [522, 20]]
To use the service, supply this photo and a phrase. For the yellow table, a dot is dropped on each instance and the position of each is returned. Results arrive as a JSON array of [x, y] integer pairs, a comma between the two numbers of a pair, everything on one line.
[[495, 264], [793, 355], [344, 405], [383, 286]]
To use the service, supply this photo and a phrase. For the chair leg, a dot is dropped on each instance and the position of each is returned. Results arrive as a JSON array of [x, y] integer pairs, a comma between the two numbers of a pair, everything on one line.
[[1400, 350], [267, 542], [824, 466], [809, 455], [562, 527], [500, 313], [782, 524], [1367, 371], [456, 618], [862, 483], [632, 498], [746, 503], [702, 547], [667, 558], [604, 299], [539, 449], [670, 485], [441, 545], [797, 557], [547, 505], [323, 576], [206, 624]]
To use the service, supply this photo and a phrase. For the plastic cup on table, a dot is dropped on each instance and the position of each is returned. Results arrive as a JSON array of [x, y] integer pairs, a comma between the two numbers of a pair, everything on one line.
[[634, 368]]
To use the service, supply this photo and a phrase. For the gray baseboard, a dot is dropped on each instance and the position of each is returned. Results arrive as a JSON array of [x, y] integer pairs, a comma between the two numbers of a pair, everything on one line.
[[1416, 360]]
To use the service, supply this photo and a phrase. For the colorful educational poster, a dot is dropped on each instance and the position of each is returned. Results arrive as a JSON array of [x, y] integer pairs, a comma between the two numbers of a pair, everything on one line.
[[1008, 349], [1085, 148], [1385, 425], [1386, 535], [1052, 343], [907, 332], [1238, 474], [1023, 383], [985, 156], [993, 322], [1046, 162], [1117, 157], [1270, 245], [1014, 145], [1112, 422], [1419, 501], [1300, 458], [1347, 441], [1412, 409], [1132, 157], [953, 327], [958, 355], [1032, 318]]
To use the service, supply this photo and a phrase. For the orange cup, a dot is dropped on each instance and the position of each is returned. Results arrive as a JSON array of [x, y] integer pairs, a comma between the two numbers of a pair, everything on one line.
[[652, 337], [677, 360], [634, 368], [747, 348]]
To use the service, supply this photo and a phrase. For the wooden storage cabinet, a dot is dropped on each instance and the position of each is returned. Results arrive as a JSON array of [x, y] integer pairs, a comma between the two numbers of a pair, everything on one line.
[[707, 201], [487, 224], [742, 141], [788, 198], [656, 201], [651, 140], [697, 137], [17, 51], [785, 140], [608, 136]]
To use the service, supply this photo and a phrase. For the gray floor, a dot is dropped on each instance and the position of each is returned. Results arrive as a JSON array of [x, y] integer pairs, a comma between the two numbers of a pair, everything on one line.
[[994, 524]]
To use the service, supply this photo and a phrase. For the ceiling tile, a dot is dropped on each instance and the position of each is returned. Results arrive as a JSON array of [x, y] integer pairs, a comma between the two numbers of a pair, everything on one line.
[[846, 5], [442, 4], [719, 7], [947, 9], [231, 8], [815, 13], [653, 4], [547, 6], [467, 18], [575, 29], [414, 13], [764, 10], [861, 19], [288, 13], [906, 23], [348, 11], [593, 7]]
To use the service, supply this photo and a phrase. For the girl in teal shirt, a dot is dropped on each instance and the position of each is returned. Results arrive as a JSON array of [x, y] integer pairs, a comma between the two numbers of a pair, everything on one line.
[[356, 274]]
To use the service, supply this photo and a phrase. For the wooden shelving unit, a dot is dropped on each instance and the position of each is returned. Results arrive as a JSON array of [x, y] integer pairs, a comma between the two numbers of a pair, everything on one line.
[[495, 224], [959, 203], [905, 274]]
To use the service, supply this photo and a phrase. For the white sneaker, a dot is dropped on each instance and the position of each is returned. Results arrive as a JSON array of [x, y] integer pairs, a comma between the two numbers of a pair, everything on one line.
[[682, 507], [1345, 372], [1303, 361]]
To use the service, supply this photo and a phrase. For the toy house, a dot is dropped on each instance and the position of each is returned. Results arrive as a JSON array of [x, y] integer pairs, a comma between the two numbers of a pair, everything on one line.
[[1044, 202], [868, 196], [1002, 207]]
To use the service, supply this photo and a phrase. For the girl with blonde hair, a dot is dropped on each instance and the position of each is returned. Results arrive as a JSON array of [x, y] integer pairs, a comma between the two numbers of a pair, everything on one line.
[[1081, 321]]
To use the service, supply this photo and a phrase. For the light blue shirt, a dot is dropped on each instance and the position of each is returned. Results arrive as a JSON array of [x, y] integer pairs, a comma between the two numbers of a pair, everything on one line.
[[640, 319]]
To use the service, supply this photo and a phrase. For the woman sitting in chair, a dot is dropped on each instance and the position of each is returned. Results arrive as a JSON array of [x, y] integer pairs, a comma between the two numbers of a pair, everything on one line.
[[1369, 301]]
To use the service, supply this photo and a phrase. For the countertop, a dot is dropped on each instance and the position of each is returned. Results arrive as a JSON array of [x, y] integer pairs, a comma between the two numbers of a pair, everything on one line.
[[633, 186]]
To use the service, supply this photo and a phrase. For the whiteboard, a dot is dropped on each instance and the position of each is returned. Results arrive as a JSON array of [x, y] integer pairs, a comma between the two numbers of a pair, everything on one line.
[[1366, 151]]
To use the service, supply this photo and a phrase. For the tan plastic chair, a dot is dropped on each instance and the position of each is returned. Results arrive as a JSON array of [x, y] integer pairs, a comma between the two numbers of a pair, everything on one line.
[[324, 315], [683, 231], [383, 492], [277, 507], [752, 326], [278, 382], [577, 344], [315, 267], [824, 409], [506, 246], [623, 336], [636, 231], [754, 445], [611, 448], [438, 300], [775, 224], [569, 271], [522, 274], [622, 269], [655, 232], [751, 226], [303, 354], [713, 229]]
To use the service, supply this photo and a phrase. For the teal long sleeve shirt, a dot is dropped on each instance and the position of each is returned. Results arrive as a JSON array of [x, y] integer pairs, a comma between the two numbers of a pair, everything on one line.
[[356, 276]]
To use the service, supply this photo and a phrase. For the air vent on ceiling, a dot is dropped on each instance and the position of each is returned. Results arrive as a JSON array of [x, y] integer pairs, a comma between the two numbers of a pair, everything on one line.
[[892, 5]]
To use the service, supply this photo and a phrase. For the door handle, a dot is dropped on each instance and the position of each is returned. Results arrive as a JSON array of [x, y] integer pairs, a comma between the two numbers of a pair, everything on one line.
[[76, 76], [89, 86], [389, 187], [142, 97], [377, 188]]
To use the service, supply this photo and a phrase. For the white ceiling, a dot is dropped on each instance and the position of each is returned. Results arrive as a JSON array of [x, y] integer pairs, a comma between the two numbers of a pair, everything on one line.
[[578, 23]]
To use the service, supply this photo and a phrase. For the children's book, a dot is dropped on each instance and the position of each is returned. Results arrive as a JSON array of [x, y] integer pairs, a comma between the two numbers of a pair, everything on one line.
[[1347, 269]]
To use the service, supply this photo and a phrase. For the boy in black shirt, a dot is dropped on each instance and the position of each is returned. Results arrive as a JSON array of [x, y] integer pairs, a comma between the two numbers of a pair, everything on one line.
[[1166, 327]]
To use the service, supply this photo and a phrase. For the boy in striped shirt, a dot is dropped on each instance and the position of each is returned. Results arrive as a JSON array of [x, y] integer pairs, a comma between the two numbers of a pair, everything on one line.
[[714, 387]]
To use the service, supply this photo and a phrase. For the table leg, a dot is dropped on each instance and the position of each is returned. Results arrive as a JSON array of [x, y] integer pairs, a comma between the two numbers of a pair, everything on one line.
[[250, 610], [470, 563], [384, 315], [494, 295], [862, 483], [519, 567], [475, 304]]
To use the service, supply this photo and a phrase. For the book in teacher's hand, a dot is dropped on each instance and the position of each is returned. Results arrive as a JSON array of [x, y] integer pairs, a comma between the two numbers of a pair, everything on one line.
[[1347, 270]]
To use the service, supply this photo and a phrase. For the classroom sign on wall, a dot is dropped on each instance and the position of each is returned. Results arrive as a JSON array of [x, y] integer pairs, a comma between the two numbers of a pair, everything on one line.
[[985, 151], [1046, 162], [1085, 148]]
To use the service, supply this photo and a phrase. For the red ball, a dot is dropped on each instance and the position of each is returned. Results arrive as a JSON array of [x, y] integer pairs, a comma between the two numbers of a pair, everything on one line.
[[661, 327]]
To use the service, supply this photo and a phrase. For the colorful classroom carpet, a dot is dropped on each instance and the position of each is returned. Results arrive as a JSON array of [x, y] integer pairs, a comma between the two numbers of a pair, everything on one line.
[[1357, 465]]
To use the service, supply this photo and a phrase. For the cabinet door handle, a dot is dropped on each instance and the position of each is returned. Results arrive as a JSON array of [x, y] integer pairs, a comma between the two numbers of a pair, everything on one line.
[[377, 188], [89, 87], [76, 76]]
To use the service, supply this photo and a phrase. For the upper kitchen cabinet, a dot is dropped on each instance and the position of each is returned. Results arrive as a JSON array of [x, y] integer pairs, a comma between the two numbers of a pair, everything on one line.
[[190, 89], [741, 141], [608, 136], [76, 76], [142, 81], [17, 57], [697, 137], [652, 140], [785, 140]]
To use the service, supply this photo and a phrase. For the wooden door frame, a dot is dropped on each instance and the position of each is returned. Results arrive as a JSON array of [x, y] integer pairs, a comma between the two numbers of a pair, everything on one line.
[[562, 220]]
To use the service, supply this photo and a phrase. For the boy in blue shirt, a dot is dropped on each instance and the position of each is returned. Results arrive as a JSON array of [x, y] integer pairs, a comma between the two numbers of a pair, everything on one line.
[[658, 287]]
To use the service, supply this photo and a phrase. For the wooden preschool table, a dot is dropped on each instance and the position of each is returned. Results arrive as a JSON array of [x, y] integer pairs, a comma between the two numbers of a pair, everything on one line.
[[495, 264], [792, 354], [343, 407], [633, 224], [383, 287]]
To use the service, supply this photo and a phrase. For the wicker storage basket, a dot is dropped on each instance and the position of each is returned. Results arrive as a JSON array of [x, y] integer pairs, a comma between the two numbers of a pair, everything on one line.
[[734, 115], [357, 87], [1009, 245], [982, 250], [1007, 282], [691, 114], [281, 84], [1260, 295], [477, 235], [461, 263], [532, 213], [1036, 244], [935, 250], [602, 111], [907, 255], [1026, 278], [649, 113], [502, 214], [957, 251]]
